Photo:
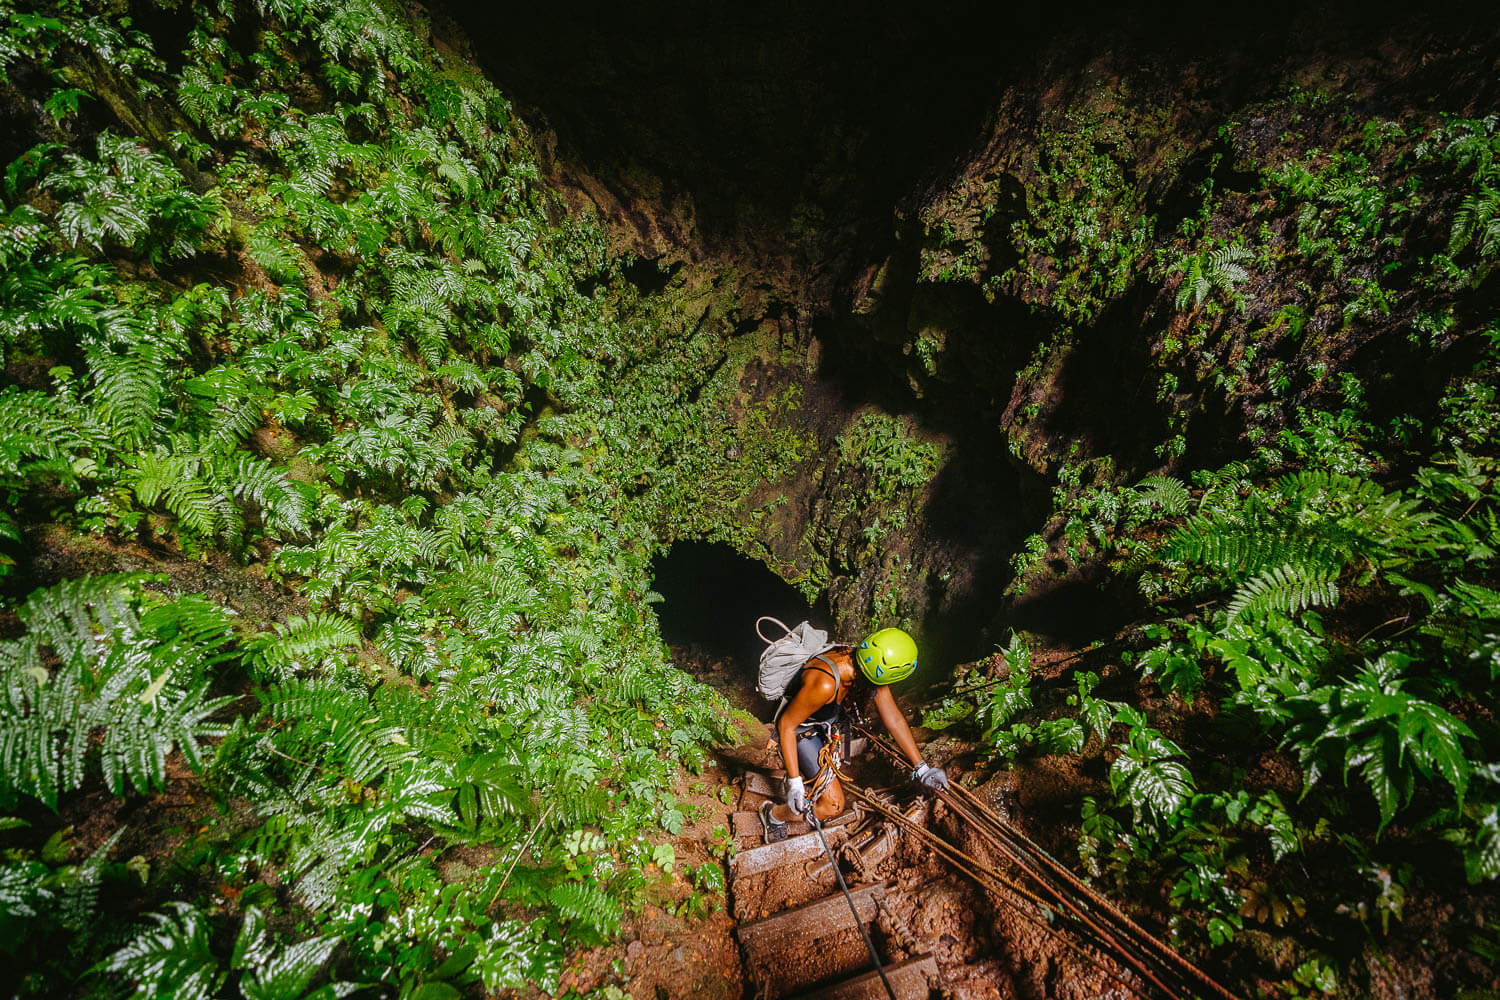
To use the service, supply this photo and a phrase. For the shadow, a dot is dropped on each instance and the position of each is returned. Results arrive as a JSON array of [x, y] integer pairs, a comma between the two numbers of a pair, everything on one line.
[[711, 598]]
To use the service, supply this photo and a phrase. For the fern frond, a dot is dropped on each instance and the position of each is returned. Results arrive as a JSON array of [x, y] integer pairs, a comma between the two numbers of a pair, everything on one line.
[[90, 673], [127, 388], [41, 434], [1165, 493], [1204, 272], [1478, 217], [181, 484], [335, 724], [588, 905], [285, 506], [172, 958], [1285, 589], [301, 644]]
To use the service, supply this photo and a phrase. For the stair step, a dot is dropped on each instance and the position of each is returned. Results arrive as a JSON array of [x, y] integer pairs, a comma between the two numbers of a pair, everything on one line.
[[746, 825], [763, 784], [910, 979], [802, 925], [793, 850]]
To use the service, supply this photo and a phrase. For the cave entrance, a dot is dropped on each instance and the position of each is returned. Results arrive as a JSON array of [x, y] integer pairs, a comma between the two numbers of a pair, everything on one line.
[[711, 597]]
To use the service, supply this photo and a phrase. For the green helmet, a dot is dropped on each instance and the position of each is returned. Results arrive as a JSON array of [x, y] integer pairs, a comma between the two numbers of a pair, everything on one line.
[[887, 656]]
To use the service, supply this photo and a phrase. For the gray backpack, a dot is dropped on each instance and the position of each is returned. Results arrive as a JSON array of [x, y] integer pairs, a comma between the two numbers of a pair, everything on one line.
[[783, 658]]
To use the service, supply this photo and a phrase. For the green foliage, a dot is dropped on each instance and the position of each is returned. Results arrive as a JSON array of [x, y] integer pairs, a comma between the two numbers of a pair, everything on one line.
[[128, 195], [1148, 774], [1220, 269], [175, 957], [352, 398], [1086, 228], [1165, 494], [97, 684], [1368, 722]]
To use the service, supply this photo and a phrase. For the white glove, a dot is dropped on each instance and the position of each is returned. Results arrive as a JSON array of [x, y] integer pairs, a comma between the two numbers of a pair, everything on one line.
[[934, 778], [796, 796]]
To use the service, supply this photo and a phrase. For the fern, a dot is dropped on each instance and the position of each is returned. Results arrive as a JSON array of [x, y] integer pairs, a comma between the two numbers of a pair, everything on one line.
[[1148, 776], [1371, 724], [1164, 493], [41, 436], [336, 726], [184, 485], [281, 973], [175, 957], [128, 388], [285, 506], [129, 687], [1286, 589], [301, 644], [587, 905], [489, 789], [126, 195], [1477, 219], [1204, 272], [172, 958]]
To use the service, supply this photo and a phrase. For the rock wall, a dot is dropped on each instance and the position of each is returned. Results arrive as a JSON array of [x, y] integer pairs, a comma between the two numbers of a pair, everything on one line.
[[972, 232]]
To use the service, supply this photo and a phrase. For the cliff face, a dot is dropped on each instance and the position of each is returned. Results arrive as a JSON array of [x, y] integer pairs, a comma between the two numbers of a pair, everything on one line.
[[933, 298], [981, 227]]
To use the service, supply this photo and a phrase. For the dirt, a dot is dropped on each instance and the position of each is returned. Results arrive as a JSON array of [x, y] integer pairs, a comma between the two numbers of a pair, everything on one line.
[[663, 951], [57, 553]]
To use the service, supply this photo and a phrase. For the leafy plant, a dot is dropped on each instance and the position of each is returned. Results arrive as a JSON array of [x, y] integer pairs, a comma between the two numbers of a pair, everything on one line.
[[1219, 269], [97, 684]]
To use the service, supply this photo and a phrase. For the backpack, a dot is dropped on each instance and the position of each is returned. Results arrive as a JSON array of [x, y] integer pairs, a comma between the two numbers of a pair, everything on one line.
[[785, 657]]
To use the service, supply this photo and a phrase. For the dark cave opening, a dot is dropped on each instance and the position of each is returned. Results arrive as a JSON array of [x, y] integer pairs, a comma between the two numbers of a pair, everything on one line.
[[711, 598]]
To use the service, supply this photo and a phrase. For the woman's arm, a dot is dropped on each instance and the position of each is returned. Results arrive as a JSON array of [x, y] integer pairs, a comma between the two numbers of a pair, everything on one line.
[[817, 690], [895, 722]]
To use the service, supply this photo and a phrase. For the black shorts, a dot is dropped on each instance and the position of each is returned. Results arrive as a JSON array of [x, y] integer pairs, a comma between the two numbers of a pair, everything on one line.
[[810, 743]]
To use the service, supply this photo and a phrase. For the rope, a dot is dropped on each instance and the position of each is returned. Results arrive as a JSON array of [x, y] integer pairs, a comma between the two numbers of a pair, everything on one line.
[[1094, 897], [1028, 856], [812, 817], [986, 875]]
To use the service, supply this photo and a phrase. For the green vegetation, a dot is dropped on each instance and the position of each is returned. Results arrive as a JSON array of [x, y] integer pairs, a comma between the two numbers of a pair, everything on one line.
[[315, 318], [334, 453], [1295, 729]]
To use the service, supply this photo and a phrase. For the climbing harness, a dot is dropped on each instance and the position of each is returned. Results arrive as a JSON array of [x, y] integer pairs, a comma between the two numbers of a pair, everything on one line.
[[830, 755], [812, 818], [1095, 917]]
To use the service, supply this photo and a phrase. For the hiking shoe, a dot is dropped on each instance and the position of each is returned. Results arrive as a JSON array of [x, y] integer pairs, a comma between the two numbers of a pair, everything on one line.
[[775, 830]]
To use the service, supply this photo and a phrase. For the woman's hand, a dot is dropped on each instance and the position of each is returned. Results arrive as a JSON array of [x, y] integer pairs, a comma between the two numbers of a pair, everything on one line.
[[796, 796]]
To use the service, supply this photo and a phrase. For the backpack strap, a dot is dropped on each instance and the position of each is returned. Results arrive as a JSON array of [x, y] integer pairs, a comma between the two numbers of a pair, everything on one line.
[[774, 621], [832, 671]]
